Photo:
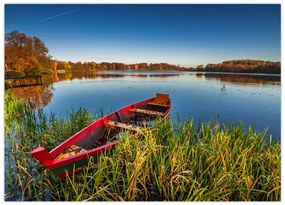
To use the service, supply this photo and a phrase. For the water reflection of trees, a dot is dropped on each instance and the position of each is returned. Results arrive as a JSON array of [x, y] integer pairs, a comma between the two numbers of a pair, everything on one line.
[[94, 75], [39, 95], [200, 75], [244, 79]]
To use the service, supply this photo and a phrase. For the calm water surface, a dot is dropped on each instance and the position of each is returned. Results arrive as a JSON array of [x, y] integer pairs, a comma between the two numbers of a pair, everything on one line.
[[253, 99]]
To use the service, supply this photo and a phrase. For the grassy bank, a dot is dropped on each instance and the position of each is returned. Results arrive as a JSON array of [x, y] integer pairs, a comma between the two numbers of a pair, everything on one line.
[[204, 162]]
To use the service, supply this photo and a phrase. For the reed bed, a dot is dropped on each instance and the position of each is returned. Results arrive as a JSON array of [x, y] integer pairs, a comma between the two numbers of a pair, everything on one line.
[[181, 162]]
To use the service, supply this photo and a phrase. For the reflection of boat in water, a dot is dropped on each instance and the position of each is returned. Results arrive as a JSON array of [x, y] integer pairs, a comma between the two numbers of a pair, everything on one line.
[[103, 135]]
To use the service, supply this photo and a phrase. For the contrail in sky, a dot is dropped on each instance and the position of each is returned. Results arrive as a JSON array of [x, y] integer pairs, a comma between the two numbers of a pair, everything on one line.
[[61, 14]]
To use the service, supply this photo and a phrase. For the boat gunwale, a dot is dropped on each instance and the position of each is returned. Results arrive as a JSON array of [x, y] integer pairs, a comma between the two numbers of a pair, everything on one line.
[[57, 163], [55, 151]]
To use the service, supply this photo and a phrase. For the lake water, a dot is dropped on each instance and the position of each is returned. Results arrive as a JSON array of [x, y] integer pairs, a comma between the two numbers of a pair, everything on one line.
[[253, 99]]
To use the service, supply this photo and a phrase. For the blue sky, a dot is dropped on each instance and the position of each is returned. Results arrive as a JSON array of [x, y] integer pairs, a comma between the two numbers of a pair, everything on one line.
[[177, 34]]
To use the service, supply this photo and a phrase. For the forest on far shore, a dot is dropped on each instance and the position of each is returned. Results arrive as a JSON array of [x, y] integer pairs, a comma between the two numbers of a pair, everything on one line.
[[26, 55]]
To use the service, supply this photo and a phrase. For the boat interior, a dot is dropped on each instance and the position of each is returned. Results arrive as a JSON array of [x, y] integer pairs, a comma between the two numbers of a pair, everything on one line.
[[124, 122]]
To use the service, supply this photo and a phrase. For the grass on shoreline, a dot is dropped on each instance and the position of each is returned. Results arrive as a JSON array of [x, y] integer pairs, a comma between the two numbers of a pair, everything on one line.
[[184, 162]]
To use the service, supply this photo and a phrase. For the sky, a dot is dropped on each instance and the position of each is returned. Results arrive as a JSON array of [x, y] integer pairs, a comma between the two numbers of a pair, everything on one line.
[[188, 35]]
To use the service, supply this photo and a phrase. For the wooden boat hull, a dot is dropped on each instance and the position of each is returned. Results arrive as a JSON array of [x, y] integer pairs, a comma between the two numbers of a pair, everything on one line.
[[64, 165]]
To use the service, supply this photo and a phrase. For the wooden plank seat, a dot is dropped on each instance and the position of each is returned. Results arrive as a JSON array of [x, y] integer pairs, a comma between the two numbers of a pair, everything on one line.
[[158, 104], [147, 112], [114, 124], [161, 100]]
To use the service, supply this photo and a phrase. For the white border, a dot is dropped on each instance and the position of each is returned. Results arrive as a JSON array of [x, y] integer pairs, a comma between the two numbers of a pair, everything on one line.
[[3, 2]]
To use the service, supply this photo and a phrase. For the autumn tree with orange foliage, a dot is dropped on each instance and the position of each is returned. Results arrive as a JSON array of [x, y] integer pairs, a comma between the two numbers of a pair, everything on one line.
[[26, 54]]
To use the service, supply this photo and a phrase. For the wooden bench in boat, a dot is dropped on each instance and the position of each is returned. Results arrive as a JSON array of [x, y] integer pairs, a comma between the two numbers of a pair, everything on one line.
[[147, 112], [160, 100], [158, 104], [114, 124]]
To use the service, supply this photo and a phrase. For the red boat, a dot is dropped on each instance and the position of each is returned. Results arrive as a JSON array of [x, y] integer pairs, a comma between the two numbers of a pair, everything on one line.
[[102, 135]]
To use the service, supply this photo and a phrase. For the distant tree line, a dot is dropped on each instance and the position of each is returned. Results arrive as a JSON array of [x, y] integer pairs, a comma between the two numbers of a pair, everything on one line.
[[25, 54], [79, 66], [244, 66]]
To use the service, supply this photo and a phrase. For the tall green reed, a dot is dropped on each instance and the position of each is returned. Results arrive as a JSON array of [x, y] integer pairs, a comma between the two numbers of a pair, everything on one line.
[[25, 129], [184, 162]]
